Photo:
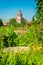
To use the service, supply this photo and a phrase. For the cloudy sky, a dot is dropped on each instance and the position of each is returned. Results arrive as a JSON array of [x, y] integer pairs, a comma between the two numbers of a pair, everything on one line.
[[9, 8]]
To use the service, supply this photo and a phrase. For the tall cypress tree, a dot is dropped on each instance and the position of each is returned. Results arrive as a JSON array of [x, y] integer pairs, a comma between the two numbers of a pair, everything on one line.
[[39, 13]]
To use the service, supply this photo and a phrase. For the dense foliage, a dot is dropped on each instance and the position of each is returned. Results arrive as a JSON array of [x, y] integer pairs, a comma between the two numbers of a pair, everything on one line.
[[33, 35], [39, 13], [1, 23], [12, 22], [34, 56], [7, 36], [16, 24]]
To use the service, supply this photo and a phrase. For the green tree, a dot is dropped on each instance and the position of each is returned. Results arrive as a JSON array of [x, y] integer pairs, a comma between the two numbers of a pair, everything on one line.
[[39, 17], [23, 22], [39, 13], [12, 21], [1, 23]]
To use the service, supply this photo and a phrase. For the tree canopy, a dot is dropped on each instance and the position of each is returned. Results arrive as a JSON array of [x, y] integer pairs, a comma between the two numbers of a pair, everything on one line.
[[39, 13], [1, 23]]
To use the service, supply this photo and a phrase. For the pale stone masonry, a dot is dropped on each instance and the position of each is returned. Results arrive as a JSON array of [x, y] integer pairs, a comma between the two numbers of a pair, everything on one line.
[[17, 49]]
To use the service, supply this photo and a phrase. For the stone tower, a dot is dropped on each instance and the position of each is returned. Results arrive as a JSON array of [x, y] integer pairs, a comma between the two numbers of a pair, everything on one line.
[[19, 16]]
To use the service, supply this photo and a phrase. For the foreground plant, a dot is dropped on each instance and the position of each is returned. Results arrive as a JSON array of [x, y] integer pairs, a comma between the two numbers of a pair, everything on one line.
[[33, 57]]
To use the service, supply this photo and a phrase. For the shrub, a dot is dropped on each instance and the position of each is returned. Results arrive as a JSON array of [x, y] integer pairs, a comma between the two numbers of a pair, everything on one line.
[[8, 36]]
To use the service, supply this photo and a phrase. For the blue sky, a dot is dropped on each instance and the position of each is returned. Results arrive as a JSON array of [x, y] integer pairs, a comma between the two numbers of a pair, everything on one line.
[[9, 8]]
